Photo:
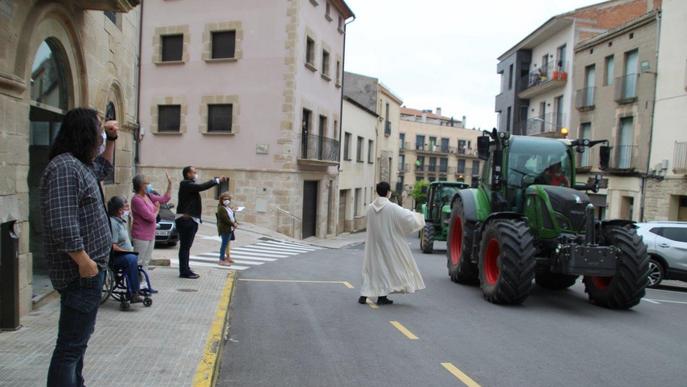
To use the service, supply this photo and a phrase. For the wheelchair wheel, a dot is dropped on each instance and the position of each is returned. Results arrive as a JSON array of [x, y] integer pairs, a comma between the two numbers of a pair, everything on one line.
[[108, 285], [147, 301], [124, 305]]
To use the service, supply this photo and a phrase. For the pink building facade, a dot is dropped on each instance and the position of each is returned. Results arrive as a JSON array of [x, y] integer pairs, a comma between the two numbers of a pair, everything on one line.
[[251, 91]]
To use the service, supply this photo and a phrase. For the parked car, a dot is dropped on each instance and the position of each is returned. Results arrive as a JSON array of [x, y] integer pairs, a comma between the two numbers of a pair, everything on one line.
[[166, 232], [667, 247]]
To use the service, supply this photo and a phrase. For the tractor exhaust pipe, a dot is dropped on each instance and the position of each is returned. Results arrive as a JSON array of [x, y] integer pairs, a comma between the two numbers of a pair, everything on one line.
[[590, 237]]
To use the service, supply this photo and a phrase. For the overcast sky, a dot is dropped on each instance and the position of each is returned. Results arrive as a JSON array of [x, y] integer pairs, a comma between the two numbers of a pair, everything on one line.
[[442, 53]]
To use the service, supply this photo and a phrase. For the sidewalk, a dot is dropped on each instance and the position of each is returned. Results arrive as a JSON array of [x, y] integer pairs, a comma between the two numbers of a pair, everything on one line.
[[163, 345]]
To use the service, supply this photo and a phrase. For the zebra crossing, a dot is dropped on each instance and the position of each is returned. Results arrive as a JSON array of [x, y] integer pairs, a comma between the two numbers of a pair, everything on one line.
[[248, 256]]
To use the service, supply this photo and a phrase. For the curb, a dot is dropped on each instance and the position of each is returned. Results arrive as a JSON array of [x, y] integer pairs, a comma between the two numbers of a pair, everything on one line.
[[208, 367]]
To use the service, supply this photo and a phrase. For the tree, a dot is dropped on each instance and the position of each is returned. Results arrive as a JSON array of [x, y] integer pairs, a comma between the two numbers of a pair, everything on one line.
[[419, 192]]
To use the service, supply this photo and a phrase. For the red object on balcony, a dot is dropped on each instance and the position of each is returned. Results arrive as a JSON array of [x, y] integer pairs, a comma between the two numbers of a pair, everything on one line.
[[560, 76]]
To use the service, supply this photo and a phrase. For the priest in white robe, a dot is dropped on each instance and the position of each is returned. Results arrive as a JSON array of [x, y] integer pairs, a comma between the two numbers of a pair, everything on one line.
[[388, 266]]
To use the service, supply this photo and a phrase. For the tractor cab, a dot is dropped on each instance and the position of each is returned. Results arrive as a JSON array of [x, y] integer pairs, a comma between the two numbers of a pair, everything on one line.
[[437, 212]]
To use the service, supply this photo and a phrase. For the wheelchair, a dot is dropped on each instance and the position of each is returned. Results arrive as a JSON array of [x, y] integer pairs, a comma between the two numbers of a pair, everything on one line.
[[117, 287]]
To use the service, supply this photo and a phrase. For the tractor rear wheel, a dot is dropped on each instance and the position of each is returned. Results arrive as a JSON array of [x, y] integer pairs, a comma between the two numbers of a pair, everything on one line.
[[554, 281], [627, 287], [506, 261], [427, 239], [459, 248]]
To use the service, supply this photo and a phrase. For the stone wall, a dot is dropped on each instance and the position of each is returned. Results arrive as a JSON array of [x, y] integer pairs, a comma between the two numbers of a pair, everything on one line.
[[661, 200]]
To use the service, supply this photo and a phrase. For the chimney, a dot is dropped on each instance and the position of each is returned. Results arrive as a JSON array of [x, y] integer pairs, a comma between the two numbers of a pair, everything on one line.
[[464, 125], [438, 111]]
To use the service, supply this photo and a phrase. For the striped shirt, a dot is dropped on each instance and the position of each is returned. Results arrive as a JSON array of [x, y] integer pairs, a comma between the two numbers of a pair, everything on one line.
[[74, 215]]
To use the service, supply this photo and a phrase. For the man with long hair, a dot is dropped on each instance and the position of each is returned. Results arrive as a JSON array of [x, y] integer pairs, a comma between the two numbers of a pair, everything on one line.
[[77, 233]]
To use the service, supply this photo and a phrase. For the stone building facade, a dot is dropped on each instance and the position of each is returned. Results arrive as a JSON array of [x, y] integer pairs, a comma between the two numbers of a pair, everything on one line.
[[264, 109], [55, 56]]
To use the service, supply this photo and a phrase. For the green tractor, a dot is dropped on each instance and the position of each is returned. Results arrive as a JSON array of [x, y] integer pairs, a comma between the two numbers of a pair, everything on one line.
[[528, 221], [437, 211]]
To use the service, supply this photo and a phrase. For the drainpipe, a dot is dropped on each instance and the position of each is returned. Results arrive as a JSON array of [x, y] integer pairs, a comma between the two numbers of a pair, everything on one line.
[[137, 132], [653, 116]]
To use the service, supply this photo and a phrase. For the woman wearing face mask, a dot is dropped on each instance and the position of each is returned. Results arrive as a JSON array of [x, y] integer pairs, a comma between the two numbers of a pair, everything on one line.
[[122, 249], [226, 224], [145, 206]]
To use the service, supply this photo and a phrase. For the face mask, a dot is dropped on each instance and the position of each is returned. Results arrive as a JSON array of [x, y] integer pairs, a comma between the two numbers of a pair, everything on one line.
[[125, 214], [149, 188], [227, 202], [197, 177], [101, 148]]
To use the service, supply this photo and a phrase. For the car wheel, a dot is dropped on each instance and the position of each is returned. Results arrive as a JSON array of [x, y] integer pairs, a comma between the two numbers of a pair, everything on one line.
[[656, 273]]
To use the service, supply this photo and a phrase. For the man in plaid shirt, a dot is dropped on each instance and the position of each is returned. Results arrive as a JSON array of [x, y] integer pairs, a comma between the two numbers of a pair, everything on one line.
[[77, 233]]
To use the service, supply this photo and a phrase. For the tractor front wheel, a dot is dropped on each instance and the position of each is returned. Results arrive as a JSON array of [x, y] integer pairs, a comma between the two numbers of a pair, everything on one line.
[[506, 261], [554, 281], [459, 248], [627, 287], [427, 239]]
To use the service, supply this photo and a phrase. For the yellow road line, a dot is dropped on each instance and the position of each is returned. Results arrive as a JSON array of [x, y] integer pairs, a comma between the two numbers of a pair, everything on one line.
[[371, 304], [344, 283], [403, 330], [460, 375], [208, 367]]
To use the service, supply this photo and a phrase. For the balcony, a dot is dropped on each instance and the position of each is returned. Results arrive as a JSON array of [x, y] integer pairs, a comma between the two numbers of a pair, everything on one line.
[[403, 168], [318, 151], [544, 79], [420, 169], [626, 89], [108, 5], [387, 128], [585, 99], [403, 145], [680, 158], [432, 149], [624, 159], [549, 123]]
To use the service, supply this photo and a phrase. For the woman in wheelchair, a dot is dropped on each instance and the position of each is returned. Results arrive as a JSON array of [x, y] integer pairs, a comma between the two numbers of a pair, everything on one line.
[[123, 257]]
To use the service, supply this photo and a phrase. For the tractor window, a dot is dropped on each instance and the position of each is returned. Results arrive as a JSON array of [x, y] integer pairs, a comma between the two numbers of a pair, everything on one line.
[[539, 162]]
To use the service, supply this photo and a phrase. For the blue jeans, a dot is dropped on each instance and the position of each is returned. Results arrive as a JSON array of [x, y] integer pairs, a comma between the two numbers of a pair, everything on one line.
[[226, 238], [78, 308], [128, 263]]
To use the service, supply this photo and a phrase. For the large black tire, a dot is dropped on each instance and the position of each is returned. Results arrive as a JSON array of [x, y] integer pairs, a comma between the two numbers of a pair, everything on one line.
[[427, 239], [459, 247], [627, 287], [554, 281], [656, 272], [506, 261]]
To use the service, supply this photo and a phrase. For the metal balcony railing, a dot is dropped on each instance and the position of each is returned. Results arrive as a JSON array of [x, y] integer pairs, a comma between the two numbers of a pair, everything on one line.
[[443, 169], [680, 157], [626, 88], [420, 168], [432, 168], [623, 157], [585, 98], [403, 146], [585, 160], [403, 168], [549, 122], [319, 148], [420, 147], [550, 71]]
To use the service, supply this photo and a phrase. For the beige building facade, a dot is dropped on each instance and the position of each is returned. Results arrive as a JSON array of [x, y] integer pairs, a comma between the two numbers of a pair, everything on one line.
[[666, 195], [615, 79], [264, 106], [55, 56], [358, 160], [434, 147]]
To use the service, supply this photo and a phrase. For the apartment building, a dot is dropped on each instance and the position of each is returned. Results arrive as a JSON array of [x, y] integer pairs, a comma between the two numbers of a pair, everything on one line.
[[615, 82], [57, 56], [264, 108], [434, 147], [536, 92], [666, 189]]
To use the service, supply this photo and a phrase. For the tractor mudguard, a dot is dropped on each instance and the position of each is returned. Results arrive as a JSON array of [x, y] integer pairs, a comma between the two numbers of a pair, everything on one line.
[[469, 204], [502, 215], [618, 222]]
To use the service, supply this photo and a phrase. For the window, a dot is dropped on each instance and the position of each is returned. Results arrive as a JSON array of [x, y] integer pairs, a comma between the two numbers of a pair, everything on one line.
[[444, 145], [223, 44], [419, 142], [168, 118], [402, 140], [475, 167], [338, 72], [443, 165], [310, 51], [111, 114], [172, 48], [325, 62], [432, 144], [347, 146], [461, 166], [341, 24], [510, 77], [328, 12], [610, 68], [113, 16], [219, 117], [462, 147], [508, 113], [370, 146], [432, 164], [359, 156], [420, 163], [585, 132]]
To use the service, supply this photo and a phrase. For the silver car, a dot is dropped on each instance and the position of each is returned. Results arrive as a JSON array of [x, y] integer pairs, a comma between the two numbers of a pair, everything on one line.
[[667, 247]]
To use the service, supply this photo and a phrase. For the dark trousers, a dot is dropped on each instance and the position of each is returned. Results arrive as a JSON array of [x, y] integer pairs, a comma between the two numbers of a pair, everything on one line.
[[78, 308], [129, 264], [187, 228]]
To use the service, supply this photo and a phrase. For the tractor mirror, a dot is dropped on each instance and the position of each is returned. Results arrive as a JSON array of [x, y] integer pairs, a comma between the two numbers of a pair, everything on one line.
[[604, 157], [483, 147]]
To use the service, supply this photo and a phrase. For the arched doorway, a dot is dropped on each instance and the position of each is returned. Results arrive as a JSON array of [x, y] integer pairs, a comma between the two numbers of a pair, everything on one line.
[[50, 95]]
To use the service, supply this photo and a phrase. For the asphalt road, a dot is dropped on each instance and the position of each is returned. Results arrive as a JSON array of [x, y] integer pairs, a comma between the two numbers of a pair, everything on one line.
[[316, 334]]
